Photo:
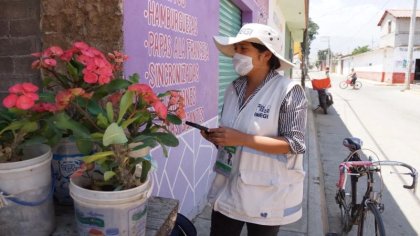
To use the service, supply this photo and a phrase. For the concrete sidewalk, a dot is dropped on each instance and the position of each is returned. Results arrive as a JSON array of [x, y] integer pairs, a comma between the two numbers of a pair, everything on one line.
[[314, 220]]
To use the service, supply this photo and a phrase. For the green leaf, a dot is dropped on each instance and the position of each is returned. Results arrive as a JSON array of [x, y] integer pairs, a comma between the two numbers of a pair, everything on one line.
[[147, 141], [97, 156], [30, 126], [114, 134], [94, 108], [140, 118], [161, 95], [173, 119], [47, 80], [63, 121], [125, 103], [102, 121], [15, 125], [146, 166], [47, 97], [81, 133], [84, 145], [79, 66], [165, 150], [108, 175], [134, 78], [110, 112], [72, 70], [110, 88], [167, 139], [81, 101], [97, 136]]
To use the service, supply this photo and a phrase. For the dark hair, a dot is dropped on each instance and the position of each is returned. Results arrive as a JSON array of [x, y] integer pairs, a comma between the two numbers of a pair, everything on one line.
[[274, 62]]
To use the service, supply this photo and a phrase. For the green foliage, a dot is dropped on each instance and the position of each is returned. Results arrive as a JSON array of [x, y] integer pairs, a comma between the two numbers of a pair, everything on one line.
[[360, 49], [312, 30]]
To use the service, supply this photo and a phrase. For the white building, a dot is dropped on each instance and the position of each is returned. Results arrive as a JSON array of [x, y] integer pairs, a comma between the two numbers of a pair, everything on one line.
[[388, 63]]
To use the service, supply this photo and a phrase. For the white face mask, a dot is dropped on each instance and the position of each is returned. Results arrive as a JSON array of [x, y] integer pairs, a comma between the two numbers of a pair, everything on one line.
[[242, 64]]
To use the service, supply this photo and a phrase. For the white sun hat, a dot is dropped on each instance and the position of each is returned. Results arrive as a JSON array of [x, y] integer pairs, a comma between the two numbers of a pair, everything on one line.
[[256, 33]]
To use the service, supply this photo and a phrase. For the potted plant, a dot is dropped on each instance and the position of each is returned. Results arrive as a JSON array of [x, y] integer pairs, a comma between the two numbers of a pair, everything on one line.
[[25, 178], [114, 122]]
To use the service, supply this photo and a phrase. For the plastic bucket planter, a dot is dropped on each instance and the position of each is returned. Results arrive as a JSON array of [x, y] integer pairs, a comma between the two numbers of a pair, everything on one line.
[[26, 190], [66, 160], [110, 213]]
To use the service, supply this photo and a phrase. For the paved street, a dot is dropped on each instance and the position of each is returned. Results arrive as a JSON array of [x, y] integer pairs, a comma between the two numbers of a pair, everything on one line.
[[387, 120]]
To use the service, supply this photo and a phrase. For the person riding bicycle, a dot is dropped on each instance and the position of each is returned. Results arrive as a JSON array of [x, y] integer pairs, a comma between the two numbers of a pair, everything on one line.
[[353, 76]]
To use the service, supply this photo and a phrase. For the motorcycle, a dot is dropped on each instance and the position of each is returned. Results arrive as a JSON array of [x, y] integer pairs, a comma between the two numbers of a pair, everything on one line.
[[325, 98]]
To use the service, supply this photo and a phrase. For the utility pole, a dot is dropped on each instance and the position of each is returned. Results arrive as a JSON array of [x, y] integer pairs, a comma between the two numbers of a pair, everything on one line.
[[328, 57], [329, 53], [410, 45]]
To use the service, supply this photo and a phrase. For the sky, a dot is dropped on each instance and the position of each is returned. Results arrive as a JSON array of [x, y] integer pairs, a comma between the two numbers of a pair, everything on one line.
[[347, 24]]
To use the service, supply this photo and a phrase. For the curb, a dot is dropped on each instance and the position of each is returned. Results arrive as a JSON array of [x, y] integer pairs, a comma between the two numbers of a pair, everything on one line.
[[317, 210]]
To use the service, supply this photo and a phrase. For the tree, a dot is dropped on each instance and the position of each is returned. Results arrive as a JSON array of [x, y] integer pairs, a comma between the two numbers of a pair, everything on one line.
[[312, 32], [322, 56], [360, 50], [309, 35]]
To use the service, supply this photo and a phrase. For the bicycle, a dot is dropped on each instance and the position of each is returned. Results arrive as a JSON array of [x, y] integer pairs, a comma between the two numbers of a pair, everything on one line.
[[345, 83], [367, 212]]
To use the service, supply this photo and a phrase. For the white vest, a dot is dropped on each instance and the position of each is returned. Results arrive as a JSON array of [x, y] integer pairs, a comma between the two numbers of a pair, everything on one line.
[[262, 188]]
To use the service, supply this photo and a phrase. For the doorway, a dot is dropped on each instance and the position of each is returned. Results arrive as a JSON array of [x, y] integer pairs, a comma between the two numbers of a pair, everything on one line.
[[417, 71]]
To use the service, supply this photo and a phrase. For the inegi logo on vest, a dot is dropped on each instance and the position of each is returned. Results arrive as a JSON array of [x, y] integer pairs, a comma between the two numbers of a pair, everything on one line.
[[262, 111]]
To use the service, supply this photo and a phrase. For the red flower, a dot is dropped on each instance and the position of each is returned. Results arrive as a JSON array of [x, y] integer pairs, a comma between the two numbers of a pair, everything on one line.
[[81, 45], [53, 51], [67, 55], [115, 98], [62, 99], [22, 96], [90, 77], [49, 63], [10, 100], [160, 109], [42, 107]]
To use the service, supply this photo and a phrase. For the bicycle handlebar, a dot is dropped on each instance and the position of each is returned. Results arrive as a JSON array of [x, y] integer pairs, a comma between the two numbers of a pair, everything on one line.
[[344, 166], [414, 173]]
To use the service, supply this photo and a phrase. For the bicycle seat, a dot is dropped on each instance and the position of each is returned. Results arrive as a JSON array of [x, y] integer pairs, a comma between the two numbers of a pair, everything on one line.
[[353, 143]]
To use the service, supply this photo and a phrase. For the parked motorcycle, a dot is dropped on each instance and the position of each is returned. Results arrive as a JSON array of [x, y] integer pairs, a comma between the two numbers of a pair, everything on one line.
[[325, 98]]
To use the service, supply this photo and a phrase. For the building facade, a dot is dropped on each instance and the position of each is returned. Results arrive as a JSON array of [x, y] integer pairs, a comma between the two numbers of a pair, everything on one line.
[[388, 63]]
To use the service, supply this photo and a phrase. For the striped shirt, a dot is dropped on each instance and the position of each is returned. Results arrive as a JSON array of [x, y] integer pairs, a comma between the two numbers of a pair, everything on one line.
[[292, 114]]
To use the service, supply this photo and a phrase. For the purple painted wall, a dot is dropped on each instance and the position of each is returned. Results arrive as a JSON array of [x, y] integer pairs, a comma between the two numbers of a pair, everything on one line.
[[170, 45], [253, 11]]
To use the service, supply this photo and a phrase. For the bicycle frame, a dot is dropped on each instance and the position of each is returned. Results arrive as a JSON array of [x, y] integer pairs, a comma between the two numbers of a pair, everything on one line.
[[345, 169], [354, 167]]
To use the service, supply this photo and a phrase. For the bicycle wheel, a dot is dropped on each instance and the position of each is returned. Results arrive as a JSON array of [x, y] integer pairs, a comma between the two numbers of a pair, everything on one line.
[[343, 84], [371, 221], [357, 85]]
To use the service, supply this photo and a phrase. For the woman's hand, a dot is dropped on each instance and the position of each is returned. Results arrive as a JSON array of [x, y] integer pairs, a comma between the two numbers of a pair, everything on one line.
[[224, 136]]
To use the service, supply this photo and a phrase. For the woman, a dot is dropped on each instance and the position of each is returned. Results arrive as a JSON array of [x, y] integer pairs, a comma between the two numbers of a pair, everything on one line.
[[259, 173]]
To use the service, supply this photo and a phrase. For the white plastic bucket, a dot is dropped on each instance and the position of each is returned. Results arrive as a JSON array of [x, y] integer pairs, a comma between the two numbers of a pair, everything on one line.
[[110, 213], [66, 160], [30, 181]]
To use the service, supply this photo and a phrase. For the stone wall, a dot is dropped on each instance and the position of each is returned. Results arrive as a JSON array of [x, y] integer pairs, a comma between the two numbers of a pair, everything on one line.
[[97, 22], [19, 37]]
